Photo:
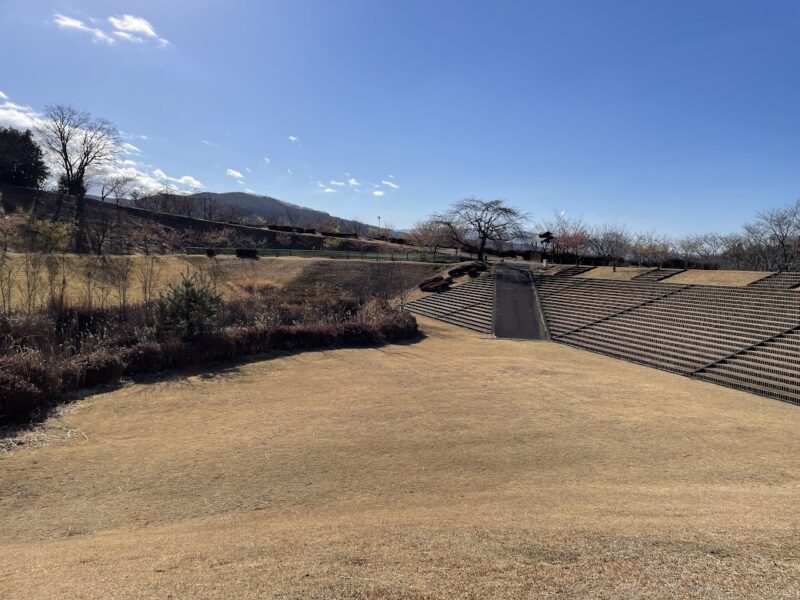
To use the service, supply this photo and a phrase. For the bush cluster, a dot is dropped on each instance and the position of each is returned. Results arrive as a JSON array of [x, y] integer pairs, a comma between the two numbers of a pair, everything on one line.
[[31, 382]]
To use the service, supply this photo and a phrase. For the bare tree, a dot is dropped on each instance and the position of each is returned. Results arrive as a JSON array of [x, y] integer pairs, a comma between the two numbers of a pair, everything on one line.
[[430, 234], [481, 221], [121, 268], [611, 242], [8, 276], [569, 234], [56, 269], [31, 284], [147, 273], [79, 143], [99, 228], [650, 249], [115, 186], [781, 228]]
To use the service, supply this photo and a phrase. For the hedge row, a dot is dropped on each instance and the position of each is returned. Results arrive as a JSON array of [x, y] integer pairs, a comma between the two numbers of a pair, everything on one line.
[[30, 383]]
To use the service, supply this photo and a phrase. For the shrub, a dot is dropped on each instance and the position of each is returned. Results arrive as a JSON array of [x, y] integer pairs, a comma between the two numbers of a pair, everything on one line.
[[187, 310], [18, 397], [101, 368], [147, 357]]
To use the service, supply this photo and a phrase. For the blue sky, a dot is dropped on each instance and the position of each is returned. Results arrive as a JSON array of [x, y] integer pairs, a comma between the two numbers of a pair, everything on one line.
[[676, 116]]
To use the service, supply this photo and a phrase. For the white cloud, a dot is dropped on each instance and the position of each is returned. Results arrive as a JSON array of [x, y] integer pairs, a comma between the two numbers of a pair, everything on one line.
[[126, 28], [128, 37], [292, 139], [388, 183], [240, 182], [267, 160], [337, 183], [190, 181], [248, 169], [24, 117], [186, 180], [329, 190], [249, 191], [378, 193], [391, 176], [65, 22], [128, 148], [289, 171], [132, 25], [353, 182], [207, 143], [3, 96], [233, 173], [18, 116]]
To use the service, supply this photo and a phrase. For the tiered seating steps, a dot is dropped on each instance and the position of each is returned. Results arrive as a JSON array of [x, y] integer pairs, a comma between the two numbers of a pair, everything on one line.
[[470, 305], [572, 271], [771, 368], [657, 274], [744, 337], [787, 280]]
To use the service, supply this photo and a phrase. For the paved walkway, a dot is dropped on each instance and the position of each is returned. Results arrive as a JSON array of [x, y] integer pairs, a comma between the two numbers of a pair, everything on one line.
[[516, 310]]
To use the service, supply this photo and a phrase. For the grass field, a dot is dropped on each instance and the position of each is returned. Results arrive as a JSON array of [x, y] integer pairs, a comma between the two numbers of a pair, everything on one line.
[[457, 467], [231, 274], [622, 273]]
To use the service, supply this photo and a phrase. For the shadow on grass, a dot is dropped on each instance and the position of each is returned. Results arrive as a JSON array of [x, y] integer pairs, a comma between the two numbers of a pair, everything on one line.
[[224, 369]]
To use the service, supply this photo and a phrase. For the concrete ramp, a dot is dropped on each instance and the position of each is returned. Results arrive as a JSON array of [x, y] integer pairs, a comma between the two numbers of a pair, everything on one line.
[[516, 309]]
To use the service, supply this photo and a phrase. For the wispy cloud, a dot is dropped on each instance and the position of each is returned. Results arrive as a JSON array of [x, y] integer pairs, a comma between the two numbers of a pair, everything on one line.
[[353, 182], [126, 28], [338, 183], [378, 193], [389, 184], [133, 25], [3, 96], [65, 22], [289, 171], [329, 190], [129, 148], [292, 139], [267, 160], [234, 173], [207, 143]]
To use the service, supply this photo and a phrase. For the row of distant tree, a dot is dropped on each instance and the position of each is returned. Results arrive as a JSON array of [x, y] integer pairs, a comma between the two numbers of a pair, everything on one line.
[[79, 146], [771, 242]]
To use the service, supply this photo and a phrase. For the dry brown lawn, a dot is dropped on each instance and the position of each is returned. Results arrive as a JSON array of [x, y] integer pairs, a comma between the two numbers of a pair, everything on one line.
[[621, 274], [457, 467], [230, 274], [732, 278]]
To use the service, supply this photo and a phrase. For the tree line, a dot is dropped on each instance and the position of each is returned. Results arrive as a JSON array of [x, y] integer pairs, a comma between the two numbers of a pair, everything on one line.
[[770, 242], [82, 148]]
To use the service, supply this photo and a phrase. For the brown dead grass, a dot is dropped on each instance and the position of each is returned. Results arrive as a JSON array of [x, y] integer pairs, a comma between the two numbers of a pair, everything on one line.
[[621, 274], [233, 273], [731, 278], [458, 467]]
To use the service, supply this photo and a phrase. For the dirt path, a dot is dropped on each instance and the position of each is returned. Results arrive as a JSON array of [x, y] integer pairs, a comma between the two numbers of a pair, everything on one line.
[[460, 466]]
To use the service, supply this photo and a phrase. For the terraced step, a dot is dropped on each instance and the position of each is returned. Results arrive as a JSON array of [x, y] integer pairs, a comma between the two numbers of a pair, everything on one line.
[[572, 271], [787, 280], [657, 275], [470, 305], [723, 335]]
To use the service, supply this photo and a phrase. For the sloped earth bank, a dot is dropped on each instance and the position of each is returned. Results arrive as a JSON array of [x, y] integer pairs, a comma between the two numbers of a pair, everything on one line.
[[456, 467]]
